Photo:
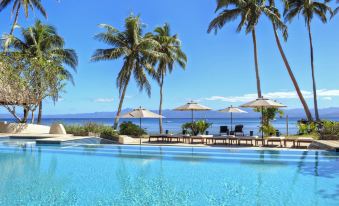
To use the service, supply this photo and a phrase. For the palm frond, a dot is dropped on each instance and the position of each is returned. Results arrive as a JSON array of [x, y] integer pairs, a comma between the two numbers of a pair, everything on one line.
[[107, 54], [224, 17]]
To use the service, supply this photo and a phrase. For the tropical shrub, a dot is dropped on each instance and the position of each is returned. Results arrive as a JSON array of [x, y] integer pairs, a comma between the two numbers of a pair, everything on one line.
[[128, 128], [75, 129], [109, 133], [198, 127], [269, 114], [202, 126], [268, 130], [330, 130], [306, 127], [91, 128]]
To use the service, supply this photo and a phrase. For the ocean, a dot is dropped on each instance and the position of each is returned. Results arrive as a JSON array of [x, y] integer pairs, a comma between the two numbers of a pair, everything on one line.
[[173, 125]]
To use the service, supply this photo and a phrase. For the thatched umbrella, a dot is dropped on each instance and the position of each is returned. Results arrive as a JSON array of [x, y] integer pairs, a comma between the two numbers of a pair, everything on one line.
[[141, 113], [232, 110], [192, 106], [262, 103]]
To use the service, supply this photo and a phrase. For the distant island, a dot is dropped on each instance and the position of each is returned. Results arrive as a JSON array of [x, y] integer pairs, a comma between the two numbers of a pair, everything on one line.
[[332, 112]]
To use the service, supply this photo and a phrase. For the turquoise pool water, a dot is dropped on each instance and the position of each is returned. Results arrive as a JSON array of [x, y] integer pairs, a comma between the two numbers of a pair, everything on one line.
[[150, 175]]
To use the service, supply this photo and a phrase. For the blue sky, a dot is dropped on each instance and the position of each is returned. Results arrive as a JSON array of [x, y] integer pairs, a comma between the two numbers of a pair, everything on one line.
[[220, 69]]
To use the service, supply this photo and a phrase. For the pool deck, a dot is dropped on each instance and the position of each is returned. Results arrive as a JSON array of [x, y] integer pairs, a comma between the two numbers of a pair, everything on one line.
[[60, 139], [46, 138], [328, 144]]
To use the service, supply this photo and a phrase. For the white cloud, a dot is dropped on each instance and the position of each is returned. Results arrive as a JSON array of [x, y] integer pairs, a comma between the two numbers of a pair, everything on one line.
[[104, 100], [324, 93], [327, 98]]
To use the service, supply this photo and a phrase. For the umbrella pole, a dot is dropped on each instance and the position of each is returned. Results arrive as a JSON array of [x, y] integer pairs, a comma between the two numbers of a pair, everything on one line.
[[140, 128], [192, 116], [286, 125], [262, 122], [231, 121]]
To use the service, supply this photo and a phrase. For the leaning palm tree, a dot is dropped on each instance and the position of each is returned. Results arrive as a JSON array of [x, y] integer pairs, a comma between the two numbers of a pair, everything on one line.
[[249, 12], [308, 9], [41, 41], [138, 52], [170, 45], [26, 5], [287, 65]]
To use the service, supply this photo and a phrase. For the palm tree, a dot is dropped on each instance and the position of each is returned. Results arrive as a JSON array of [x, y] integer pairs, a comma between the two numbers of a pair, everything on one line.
[[137, 51], [170, 45], [308, 9], [249, 12], [336, 9], [287, 65], [26, 5], [42, 41]]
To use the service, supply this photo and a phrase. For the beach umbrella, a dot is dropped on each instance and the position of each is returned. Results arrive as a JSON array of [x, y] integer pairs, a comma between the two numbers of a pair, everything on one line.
[[262, 103], [141, 113], [192, 106], [232, 110]]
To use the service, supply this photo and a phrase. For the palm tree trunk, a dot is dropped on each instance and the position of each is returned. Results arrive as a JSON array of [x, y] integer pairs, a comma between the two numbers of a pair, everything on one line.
[[160, 105], [25, 117], [122, 97], [40, 113], [256, 63], [313, 75], [15, 18], [32, 117], [294, 81]]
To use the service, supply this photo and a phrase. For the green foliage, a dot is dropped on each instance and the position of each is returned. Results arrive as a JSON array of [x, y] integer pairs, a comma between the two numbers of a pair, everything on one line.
[[37, 61], [330, 130], [247, 12], [269, 114], [305, 127], [101, 130], [75, 129], [268, 130], [138, 51], [128, 128], [197, 127]]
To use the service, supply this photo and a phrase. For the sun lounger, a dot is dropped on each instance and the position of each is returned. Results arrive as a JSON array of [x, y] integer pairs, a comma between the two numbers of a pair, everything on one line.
[[201, 138], [303, 140], [216, 139], [232, 139], [247, 139], [292, 140], [157, 137], [272, 140]]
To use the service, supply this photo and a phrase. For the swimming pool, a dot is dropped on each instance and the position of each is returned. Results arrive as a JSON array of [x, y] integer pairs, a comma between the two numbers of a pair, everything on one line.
[[74, 174]]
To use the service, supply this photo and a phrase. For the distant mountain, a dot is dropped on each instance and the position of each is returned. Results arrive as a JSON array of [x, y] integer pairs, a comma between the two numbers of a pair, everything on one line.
[[293, 113]]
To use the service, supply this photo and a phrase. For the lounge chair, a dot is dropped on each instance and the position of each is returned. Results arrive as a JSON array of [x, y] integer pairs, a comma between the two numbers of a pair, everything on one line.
[[158, 137], [272, 140], [247, 139], [303, 140], [224, 131], [201, 138], [238, 130]]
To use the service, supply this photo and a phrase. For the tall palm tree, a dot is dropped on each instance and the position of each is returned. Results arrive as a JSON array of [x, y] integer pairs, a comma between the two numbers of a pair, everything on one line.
[[42, 41], [249, 12], [308, 9], [283, 56], [137, 51], [25, 4], [170, 45]]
